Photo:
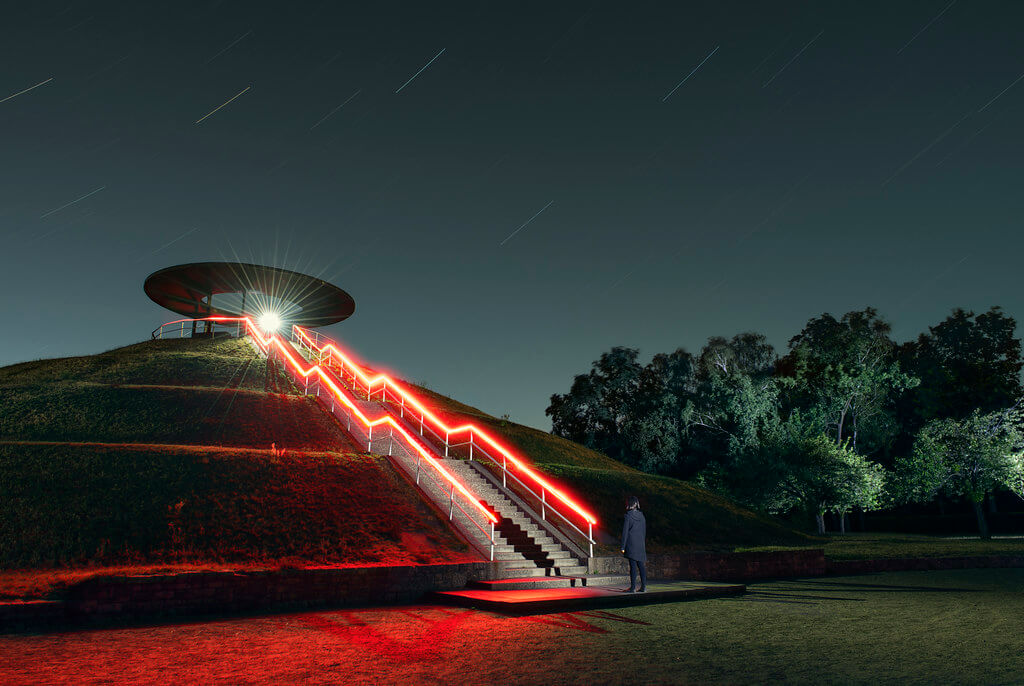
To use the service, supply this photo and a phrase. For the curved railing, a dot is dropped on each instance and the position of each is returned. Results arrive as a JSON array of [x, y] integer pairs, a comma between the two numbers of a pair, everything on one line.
[[478, 441], [273, 344]]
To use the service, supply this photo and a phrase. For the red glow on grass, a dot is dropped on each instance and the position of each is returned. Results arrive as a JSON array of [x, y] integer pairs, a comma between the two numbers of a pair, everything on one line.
[[268, 343]]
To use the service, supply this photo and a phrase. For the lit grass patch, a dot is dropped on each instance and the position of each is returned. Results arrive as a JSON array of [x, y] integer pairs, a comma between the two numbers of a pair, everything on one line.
[[870, 546]]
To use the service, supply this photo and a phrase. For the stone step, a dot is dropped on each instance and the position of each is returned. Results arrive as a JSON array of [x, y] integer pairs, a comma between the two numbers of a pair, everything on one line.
[[514, 572], [607, 580], [569, 570], [522, 583], [566, 599]]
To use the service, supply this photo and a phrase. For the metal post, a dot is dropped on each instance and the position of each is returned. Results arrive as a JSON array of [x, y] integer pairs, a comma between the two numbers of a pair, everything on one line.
[[182, 330], [446, 434], [401, 413], [451, 505], [590, 535], [504, 469], [391, 440], [421, 424], [470, 446], [241, 322], [369, 438], [419, 458], [492, 541], [543, 504]]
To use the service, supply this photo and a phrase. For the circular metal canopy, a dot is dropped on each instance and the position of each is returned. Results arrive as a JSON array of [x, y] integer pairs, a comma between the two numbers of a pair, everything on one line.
[[189, 289]]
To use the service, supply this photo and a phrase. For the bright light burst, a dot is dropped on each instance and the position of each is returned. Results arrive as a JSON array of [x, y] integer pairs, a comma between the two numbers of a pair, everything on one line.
[[269, 322]]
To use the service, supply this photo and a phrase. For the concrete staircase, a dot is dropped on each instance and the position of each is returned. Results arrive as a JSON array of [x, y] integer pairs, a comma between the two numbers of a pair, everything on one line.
[[527, 554], [535, 559]]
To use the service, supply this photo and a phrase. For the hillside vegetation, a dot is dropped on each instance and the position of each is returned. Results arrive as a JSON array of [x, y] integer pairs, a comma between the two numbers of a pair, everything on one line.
[[115, 458], [680, 516]]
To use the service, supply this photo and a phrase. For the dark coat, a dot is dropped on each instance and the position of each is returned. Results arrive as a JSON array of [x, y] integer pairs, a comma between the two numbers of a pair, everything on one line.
[[634, 531]]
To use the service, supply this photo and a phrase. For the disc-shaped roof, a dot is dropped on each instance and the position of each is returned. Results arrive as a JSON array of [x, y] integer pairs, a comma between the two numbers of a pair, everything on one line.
[[186, 288]]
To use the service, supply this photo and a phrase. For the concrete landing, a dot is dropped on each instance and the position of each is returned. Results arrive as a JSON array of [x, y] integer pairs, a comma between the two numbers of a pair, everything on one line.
[[585, 597]]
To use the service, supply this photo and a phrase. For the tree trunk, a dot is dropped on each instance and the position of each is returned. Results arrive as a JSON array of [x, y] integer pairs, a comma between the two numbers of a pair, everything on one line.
[[991, 503], [842, 522], [820, 519], [980, 514]]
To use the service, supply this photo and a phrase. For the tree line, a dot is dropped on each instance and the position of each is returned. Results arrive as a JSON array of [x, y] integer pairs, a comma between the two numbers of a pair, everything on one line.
[[846, 419]]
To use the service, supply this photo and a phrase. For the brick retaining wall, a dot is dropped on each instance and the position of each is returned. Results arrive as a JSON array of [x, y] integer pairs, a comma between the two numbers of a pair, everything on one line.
[[722, 566], [918, 564]]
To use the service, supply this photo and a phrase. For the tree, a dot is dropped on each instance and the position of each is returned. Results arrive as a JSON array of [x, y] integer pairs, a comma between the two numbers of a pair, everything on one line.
[[964, 458], [967, 362], [734, 401], [824, 476], [600, 406], [656, 430], [846, 379]]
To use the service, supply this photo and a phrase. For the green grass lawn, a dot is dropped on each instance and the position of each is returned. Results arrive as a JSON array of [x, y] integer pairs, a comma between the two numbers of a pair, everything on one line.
[[857, 546], [955, 627], [216, 363], [140, 468]]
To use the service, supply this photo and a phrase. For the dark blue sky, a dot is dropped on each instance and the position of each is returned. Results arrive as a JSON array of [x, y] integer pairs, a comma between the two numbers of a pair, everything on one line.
[[828, 156]]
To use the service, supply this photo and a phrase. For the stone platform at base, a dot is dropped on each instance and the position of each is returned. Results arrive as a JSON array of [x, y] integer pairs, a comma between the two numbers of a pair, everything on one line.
[[585, 597]]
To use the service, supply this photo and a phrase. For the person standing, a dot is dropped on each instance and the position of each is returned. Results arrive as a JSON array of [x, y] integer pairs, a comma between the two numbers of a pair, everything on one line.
[[634, 531]]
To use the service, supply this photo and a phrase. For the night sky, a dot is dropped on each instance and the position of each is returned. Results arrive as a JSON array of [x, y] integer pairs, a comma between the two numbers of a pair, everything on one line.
[[562, 177]]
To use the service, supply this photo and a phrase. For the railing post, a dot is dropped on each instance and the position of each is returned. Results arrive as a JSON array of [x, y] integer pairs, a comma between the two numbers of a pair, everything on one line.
[[421, 424], [391, 440], [369, 439], [543, 503], [451, 504], [401, 412], [470, 446], [419, 458], [492, 541], [590, 535], [446, 435], [504, 469]]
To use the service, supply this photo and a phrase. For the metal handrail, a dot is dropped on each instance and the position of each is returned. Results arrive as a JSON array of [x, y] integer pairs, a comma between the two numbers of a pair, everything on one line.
[[266, 346], [362, 382], [453, 501], [162, 331]]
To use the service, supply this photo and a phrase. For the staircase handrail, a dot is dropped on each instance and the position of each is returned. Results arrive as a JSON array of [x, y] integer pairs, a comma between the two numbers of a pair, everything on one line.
[[360, 378]]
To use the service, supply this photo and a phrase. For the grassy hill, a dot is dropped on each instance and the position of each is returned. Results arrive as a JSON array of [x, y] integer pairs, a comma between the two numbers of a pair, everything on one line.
[[679, 516], [160, 452]]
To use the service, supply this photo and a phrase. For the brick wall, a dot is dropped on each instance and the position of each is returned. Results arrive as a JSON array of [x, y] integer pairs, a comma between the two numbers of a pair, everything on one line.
[[915, 564], [722, 566]]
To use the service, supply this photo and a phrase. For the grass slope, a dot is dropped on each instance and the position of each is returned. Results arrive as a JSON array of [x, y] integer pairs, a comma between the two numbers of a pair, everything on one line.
[[679, 516], [186, 474]]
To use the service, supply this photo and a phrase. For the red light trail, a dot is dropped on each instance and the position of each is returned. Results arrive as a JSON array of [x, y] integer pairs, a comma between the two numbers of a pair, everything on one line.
[[266, 344], [385, 382]]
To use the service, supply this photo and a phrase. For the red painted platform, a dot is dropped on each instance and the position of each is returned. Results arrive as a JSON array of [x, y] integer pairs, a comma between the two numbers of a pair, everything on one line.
[[543, 599]]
